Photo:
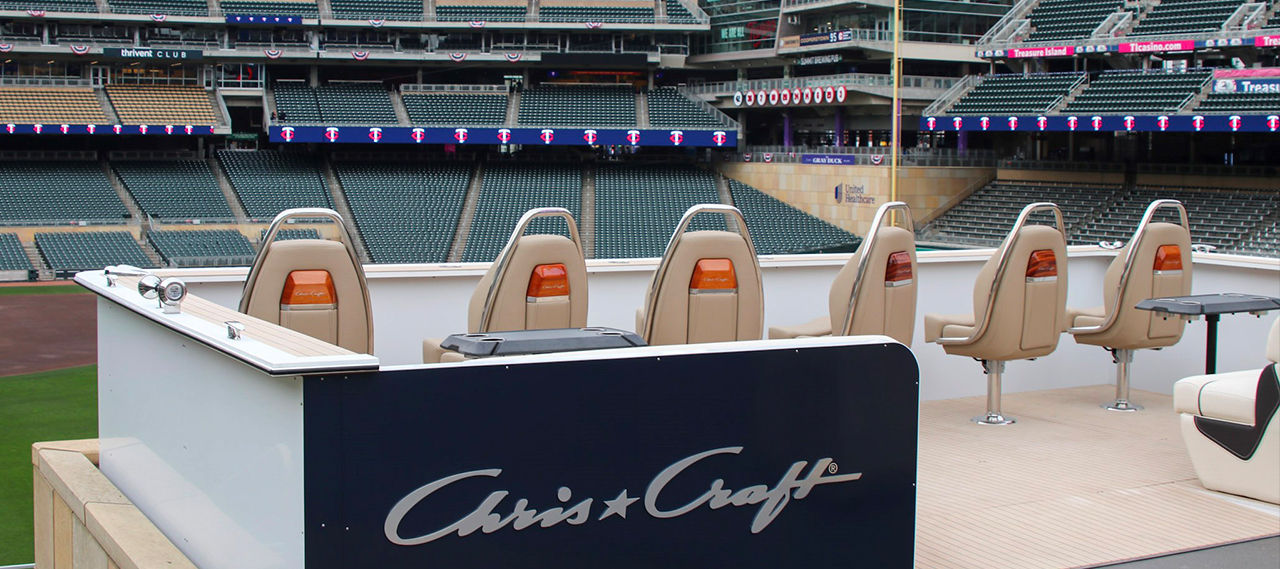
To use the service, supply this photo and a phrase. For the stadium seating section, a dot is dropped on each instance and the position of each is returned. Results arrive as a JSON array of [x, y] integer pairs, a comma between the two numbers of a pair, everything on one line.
[[1067, 19], [361, 103], [668, 108], [638, 207], [168, 7], [456, 108], [50, 106], [607, 11], [269, 182], [1257, 103], [202, 248], [1186, 17], [386, 9], [578, 105], [407, 212], [174, 189], [510, 189], [51, 5], [162, 104], [1226, 219], [57, 193], [678, 14], [70, 252], [12, 257], [287, 234], [777, 228], [304, 8], [1139, 92], [482, 12], [1017, 93]]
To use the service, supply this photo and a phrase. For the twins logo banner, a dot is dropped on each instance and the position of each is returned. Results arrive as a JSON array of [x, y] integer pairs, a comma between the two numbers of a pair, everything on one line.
[[545, 137], [1110, 123], [763, 459]]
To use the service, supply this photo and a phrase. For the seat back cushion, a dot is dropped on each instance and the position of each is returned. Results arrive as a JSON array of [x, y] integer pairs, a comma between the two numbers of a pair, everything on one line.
[[1152, 276], [1030, 309], [684, 315], [883, 306], [346, 322], [514, 306]]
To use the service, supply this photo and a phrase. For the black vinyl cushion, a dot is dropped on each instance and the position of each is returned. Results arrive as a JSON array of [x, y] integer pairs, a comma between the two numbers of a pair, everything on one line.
[[1243, 440]]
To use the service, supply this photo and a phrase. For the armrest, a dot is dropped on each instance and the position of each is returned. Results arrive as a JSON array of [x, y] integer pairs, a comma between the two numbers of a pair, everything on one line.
[[947, 326], [816, 327]]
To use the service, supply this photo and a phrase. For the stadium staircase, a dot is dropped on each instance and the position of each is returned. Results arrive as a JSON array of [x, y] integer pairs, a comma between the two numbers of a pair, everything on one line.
[[397, 104], [214, 6], [135, 211], [104, 7], [468, 216], [107, 109], [43, 272], [150, 252], [343, 208], [513, 107], [642, 107], [228, 192], [587, 219]]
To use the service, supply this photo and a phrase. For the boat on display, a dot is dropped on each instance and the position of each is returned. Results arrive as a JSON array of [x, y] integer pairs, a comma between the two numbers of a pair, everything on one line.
[[246, 443]]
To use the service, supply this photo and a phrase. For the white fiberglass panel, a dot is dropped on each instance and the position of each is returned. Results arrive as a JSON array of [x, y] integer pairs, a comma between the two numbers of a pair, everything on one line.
[[209, 448]]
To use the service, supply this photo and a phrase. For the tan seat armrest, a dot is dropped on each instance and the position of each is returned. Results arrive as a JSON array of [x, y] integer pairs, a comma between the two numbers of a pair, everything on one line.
[[1092, 316], [816, 327], [934, 324], [431, 350], [640, 320]]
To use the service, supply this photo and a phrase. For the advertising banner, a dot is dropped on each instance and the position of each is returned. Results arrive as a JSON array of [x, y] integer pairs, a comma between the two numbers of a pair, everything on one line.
[[151, 53], [490, 135], [751, 458], [1104, 123], [837, 159]]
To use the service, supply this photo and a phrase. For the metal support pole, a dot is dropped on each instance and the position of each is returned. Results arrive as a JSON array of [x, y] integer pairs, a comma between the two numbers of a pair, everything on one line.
[[1211, 345], [994, 371], [1123, 358]]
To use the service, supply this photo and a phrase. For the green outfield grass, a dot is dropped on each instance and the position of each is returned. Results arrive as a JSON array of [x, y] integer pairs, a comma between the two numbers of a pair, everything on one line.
[[46, 406], [19, 290]]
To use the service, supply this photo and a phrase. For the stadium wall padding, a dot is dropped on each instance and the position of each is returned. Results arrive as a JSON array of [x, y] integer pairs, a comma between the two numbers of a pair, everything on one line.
[[848, 196]]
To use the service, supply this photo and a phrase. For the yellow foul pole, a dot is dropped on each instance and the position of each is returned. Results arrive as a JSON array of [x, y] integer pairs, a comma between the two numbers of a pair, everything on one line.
[[896, 112]]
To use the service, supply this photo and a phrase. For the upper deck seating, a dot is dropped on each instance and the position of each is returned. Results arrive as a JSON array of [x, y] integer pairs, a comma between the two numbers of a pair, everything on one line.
[[610, 11], [482, 11], [456, 108], [405, 10], [304, 8], [984, 218], [168, 7], [678, 14], [407, 212], [269, 182], [202, 248], [508, 191], [1259, 103], [12, 257], [70, 252], [174, 189], [1067, 19], [364, 103], [668, 108], [1186, 17], [777, 228], [162, 104], [1265, 241], [637, 207], [1013, 94], [56, 193], [578, 105], [296, 103], [50, 106], [50, 5], [285, 234], [1138, 91]]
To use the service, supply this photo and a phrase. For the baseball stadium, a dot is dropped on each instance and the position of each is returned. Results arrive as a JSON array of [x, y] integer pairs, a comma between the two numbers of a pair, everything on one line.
[[320, 284]]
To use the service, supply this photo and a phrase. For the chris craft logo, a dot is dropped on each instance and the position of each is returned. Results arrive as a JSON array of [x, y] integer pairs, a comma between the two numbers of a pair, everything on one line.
[[719, 137], [287, 133], [849, 193], [375, 134], [504, 135], [633, 137], [460, 135], [490, 515], [331, 133], [418, 134], [589, 136], [547, 135]]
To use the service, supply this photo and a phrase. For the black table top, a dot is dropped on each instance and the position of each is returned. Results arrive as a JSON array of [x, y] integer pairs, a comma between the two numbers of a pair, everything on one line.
[[1221, 303]]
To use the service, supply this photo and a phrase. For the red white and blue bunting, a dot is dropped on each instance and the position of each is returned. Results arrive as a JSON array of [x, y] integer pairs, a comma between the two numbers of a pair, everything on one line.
[[79, 49], [593, 25], [514, 57], [457, 57], [360, 55], [477, 23], [6, 47], [272, 53], [377, 22], [159, 17], [36, 13]]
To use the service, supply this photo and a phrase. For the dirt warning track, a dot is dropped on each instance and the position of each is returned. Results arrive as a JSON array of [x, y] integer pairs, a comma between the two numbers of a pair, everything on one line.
[[42, 332]]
